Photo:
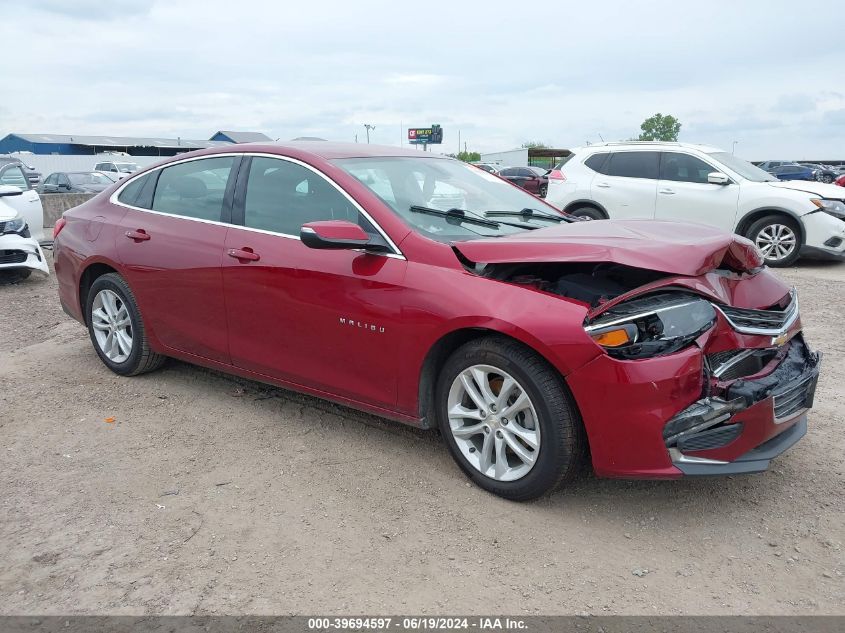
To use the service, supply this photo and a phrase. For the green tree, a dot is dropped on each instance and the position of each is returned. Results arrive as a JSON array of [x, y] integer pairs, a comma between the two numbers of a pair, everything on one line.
[[660, 127], [467, 157], [534, 145]]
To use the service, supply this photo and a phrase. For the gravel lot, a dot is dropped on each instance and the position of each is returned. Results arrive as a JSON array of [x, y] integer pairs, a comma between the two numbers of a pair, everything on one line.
[[208, 494]]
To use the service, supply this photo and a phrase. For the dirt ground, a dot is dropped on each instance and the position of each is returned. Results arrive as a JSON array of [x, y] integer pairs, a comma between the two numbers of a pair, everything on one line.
[[208, 494]]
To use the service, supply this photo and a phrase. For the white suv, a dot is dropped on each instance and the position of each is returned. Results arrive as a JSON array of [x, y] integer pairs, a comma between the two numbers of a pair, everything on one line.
[[694, 183]]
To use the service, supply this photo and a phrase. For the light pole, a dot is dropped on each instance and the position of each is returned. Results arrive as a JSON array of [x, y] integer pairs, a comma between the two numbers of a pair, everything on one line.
[[733, 150], [369, 127]]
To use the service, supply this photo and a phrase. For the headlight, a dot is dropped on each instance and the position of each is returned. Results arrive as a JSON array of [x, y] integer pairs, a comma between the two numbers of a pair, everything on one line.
[[15, 225], [653, 325], [836, 208]]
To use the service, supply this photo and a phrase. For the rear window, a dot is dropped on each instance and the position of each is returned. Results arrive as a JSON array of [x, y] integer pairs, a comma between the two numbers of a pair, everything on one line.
[[130, 192], [596, 162], [633, 165]]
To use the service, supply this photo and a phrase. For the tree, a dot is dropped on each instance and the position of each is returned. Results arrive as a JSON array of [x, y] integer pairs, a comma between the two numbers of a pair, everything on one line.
[[467, 157], [534, 145], [660, 127]]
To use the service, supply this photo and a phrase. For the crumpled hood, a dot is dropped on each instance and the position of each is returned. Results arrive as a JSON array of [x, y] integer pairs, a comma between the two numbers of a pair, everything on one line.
[[810, 186], [672, 247]]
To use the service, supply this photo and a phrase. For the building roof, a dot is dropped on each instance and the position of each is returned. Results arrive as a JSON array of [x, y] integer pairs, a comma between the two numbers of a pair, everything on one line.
[[243, 137], [119, 141]]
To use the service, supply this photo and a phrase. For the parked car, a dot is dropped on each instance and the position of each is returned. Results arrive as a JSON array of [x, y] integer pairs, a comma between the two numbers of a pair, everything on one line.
[[530, 340], [33, 176], [821, 172], [76, 182], [681, 181], [20, 253], [488, 167], [792, 172], [533, 179], [840, 180], [120, 169], [24, 199]]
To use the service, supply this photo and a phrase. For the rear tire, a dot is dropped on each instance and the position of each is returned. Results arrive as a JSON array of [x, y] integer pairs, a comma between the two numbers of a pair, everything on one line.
[[540, 411], [590, 213], [544, 189], [778, 238], [117, 329]]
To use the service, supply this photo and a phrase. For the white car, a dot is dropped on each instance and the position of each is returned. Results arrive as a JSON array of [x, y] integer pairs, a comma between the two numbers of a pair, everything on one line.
[[695, 183], [20, 253], [19, 196], [118, 169]]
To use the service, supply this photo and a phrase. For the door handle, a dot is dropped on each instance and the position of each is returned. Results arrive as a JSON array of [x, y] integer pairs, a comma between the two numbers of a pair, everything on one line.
[[667, 192], [139, 235], [603, 185], [243, 254]]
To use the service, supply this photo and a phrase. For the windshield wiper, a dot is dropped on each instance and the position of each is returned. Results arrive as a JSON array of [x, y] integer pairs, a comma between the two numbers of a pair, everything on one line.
[[458, 214], [528, 214]]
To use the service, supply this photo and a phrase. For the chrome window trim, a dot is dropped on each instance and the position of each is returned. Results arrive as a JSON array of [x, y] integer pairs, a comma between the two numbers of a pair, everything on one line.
[[113, 199]]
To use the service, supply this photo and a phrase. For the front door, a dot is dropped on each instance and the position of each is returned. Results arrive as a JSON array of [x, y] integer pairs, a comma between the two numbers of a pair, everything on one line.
[[318, 318], [684, 194], [172, 254]]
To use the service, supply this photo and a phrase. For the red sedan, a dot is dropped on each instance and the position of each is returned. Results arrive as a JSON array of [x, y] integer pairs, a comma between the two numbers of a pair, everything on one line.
[[424, 290]]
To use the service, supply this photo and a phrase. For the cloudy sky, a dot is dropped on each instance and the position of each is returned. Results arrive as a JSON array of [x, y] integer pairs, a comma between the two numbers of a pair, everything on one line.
[[768, 74]]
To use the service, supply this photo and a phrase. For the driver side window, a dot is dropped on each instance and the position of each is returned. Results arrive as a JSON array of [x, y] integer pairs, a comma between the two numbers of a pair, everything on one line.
[[679, 167], [281, 196]]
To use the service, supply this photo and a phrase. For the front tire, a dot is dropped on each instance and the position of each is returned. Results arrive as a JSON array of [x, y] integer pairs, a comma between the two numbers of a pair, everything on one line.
[[508, 419], [116, 328], [778, 238], [589, 213], [14, 276]]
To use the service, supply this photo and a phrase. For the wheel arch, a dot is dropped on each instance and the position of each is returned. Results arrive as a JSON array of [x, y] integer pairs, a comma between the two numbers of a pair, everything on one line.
[[440, 351], [587, 203], [752, 216], [89, 275]]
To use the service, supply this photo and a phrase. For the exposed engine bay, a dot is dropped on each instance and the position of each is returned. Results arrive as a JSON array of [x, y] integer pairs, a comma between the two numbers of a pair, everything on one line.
[[588, 282]]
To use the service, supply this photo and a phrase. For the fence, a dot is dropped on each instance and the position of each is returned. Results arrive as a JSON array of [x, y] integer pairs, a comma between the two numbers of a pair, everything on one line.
[[48, 163]]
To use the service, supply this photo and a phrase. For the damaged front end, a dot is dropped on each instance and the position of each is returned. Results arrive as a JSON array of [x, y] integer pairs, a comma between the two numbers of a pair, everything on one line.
[[18, 250], [690, 383]]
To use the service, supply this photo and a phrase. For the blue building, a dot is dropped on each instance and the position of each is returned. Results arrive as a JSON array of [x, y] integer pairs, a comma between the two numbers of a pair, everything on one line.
[[240, 137], [66, 144]]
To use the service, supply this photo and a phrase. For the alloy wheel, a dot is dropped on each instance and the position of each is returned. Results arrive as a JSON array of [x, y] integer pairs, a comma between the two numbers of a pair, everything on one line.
[[493, 422], [112, 325], [776, 241]]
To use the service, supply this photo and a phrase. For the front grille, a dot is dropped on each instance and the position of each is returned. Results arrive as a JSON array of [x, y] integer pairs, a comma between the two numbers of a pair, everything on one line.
[[739, 363], [795, 398], [769, 322], [712, 438], [12, 257]]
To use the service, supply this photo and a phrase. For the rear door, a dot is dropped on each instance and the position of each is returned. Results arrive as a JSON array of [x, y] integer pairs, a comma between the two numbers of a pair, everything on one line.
[[318, 318], [626, 186], [170, 243], [28, 204], [684, 194]]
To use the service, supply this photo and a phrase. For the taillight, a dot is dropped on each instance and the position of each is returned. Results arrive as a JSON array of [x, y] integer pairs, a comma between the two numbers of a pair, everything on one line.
[[557, 174], [60, 224]]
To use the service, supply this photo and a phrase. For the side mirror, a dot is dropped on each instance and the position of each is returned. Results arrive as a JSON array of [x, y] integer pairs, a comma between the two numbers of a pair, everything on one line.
[[338, 234], [718, 178]]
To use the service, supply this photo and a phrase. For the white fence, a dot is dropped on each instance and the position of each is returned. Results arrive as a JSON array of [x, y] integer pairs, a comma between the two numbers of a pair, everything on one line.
[[48, 163]]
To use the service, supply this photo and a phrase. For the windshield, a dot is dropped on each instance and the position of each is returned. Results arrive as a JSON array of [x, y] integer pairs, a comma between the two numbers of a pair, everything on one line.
[[743, 167], [127, 168], [444, 184], [89, 178]]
